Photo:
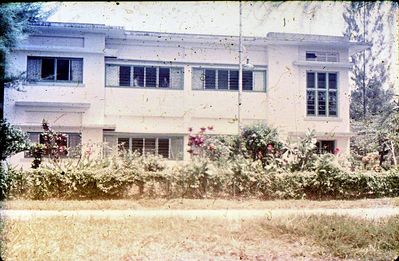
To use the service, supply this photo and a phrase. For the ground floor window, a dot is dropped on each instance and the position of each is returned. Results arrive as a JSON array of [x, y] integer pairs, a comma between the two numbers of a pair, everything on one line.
[[73, 142], [325, 146], [167, 147]]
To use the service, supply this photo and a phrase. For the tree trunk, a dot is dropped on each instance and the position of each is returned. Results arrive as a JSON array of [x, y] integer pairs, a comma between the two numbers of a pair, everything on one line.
[[393, 154]]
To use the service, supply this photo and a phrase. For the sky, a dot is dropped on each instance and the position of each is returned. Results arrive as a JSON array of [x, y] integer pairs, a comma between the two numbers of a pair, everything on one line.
[[259, 18]]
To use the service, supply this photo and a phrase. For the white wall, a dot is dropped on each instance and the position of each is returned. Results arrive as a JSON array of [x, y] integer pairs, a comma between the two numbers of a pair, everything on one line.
[[139, 110]]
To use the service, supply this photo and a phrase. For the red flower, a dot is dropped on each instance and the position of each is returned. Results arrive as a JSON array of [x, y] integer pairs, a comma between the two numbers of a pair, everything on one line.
[[190, 129]]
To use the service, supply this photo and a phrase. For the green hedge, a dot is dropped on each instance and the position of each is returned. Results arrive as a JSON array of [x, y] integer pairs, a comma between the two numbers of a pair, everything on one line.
[[196, 179]]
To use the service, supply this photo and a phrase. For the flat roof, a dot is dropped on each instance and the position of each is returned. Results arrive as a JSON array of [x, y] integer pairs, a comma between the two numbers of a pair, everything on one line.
[[119, 32]]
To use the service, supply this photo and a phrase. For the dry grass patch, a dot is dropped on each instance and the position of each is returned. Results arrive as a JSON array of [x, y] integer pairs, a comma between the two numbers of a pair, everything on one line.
[[194, 204], [344, 237], [149, 239], [298, 238]]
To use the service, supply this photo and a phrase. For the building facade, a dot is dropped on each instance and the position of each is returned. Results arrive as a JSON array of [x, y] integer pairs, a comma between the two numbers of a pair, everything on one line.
[[145, 90]]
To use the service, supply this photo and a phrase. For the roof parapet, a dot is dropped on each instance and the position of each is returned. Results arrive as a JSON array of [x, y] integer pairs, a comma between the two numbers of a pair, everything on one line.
[[304, 37], [77, 25]]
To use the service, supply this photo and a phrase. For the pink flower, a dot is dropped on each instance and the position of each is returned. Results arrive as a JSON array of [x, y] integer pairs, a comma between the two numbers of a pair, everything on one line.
[[190, 129], [203, 129], [210, 127], [89, 151], [270, 147], [337, 150]]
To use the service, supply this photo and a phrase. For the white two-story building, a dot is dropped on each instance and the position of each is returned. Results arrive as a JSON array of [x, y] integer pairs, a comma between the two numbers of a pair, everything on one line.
[[146, 89]]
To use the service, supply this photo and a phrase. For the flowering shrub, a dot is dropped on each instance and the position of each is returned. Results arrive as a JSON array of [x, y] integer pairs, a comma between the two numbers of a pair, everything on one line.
[[197, 142], [264, 168], [261, 142], [301, 155], [54, 145]]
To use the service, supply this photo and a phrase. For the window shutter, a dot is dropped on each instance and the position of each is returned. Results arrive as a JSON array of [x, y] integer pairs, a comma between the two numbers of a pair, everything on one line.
[[163, 148], [198, 79], [176, 78], [124, 75], [110, 144], [260, 81], [247, 80], [123, 143], [77, 70], [149, 146], [210, 79], [74, 140], [112, 75], [176, 148], [137, 145], [34, 69]]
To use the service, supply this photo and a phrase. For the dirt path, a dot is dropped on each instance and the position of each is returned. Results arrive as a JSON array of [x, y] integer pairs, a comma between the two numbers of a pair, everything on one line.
[[367, 213]]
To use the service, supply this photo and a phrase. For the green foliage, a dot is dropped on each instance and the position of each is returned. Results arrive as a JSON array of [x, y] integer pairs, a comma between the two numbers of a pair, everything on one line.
[[54, 145], [221, 147], [12, 140], [115, 177], [246, 177], [379, 134], [373, 79], [261, 142], [5, 181], [301, 155]]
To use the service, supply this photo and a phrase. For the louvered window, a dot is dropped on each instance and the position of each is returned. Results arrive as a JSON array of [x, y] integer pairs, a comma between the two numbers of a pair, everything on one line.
[[226, 79], [322, 56], [167, 147], [144, 76]]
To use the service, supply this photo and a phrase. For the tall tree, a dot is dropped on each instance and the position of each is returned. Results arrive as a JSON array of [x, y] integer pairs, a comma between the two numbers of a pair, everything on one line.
[[371, 22], [14, 25]]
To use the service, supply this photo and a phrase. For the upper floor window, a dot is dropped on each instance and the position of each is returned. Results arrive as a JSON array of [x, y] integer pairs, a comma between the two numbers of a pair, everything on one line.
[[322, 56], [143, 76], [54, 69], [226, 79], [321, 93]]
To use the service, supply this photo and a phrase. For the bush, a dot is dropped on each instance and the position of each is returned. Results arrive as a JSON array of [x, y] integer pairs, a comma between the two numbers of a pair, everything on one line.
[[221, 147], [12, 140], [246, 176], [5, 180], [260, 142], [199, 178], [300, 156], [114, 177]]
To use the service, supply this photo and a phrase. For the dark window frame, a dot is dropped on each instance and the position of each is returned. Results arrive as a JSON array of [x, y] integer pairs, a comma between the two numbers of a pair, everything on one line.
[[322, 56], [27, 154], [144, 151], [326, 146], [327, 92], [160, 75], [55, 76], [232, 79]]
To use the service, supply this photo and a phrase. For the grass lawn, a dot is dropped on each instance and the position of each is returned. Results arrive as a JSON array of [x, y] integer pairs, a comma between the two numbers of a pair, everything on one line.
[[193, 204], [299, 238]]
